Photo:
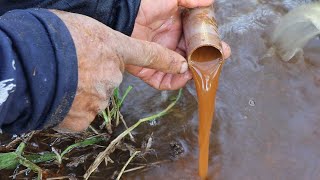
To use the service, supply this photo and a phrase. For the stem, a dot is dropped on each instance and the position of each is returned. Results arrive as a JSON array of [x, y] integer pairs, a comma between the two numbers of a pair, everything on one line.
[[124, 96], [127, 163]]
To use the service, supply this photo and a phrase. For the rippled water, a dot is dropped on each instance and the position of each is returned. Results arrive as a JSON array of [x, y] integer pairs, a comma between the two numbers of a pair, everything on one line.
[[267, 120]]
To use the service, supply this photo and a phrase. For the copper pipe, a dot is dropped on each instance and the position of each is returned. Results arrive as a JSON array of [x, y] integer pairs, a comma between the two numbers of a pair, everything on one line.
[[204, 54], [201, 34]]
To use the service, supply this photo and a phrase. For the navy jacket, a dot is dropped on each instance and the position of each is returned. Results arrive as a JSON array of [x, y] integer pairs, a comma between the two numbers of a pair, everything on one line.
[[38, 62]]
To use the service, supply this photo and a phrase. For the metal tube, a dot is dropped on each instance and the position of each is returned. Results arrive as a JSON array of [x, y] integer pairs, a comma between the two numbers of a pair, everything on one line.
[[201, 35]]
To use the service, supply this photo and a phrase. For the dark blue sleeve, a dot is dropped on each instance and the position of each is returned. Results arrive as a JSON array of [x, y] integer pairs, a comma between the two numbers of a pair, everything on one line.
[[117, 14], [38, 70]]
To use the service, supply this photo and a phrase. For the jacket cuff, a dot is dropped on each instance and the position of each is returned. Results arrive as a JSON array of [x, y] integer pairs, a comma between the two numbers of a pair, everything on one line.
[[120, 15], [46, 70]]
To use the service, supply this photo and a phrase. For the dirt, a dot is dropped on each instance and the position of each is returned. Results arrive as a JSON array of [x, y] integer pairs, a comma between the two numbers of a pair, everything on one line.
[[176, 150]]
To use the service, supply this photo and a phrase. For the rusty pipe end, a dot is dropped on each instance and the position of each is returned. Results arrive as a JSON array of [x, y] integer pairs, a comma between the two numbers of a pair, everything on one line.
[[201, 35]]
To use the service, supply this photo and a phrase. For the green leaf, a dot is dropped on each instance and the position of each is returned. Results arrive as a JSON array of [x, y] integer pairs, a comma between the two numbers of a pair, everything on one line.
[[8, 160], [39, 158], [87, 142]]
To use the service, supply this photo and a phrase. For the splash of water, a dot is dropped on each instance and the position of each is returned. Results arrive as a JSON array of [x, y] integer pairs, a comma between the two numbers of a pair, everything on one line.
[[296, 29]]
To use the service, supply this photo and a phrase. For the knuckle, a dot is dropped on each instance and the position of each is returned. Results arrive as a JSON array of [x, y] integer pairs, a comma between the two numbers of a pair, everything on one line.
[[152, 54], [173, 64]]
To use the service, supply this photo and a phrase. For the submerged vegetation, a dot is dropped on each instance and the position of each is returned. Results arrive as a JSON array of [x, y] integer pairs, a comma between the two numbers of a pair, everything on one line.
[[32, 154]]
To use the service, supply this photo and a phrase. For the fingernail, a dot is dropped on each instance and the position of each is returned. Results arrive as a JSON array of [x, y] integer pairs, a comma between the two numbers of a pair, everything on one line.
[[226, 50], [184, 67], [188, 75]]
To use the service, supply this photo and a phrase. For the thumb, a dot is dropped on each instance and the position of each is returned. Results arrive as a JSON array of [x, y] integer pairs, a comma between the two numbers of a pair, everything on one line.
[[194, 3], [154, 56]]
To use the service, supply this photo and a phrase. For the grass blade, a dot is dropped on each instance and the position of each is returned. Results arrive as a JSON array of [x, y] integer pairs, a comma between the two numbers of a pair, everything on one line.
[[124, 96], [87, 142]]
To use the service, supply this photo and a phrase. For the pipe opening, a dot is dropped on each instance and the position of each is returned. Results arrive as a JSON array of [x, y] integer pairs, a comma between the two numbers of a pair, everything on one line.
[[205, 54]]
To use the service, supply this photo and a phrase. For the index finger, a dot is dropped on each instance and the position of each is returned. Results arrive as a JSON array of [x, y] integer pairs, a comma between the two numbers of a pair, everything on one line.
[[194, 3], [151, 55]]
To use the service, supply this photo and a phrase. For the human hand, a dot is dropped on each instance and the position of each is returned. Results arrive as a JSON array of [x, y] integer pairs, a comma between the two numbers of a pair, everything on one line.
[[160, 21], [102, 55]]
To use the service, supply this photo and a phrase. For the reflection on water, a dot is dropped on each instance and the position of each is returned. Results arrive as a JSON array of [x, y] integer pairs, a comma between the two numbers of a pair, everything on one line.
[[267, 120]]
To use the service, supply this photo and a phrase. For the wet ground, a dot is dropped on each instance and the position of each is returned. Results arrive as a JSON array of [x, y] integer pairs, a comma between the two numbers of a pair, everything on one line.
[[267, 118]]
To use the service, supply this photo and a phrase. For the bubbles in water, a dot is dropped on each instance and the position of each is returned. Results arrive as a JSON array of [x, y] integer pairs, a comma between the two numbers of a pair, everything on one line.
[[26, 173], [154, 122], [252, 103]]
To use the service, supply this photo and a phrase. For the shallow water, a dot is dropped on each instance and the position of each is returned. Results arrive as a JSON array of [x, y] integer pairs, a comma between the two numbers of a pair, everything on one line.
[[267, 116]]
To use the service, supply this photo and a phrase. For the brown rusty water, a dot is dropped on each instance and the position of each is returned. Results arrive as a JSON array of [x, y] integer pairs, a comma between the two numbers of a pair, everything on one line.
[[206, 68]]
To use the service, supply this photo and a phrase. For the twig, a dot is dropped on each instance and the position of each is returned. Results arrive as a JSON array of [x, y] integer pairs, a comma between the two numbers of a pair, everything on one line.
[[125, 125], [62, 177], [17, 174], [151, 164], [17, 140], [13, 143], [125, 166], [28, 136], [94, 130], [134, 169], [109, 125], [107, 160], [116, 141], [115, 109], [51, 135]]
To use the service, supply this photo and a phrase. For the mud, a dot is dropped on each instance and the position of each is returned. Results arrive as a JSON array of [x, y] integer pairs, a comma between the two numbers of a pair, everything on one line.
[[176, 149]]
